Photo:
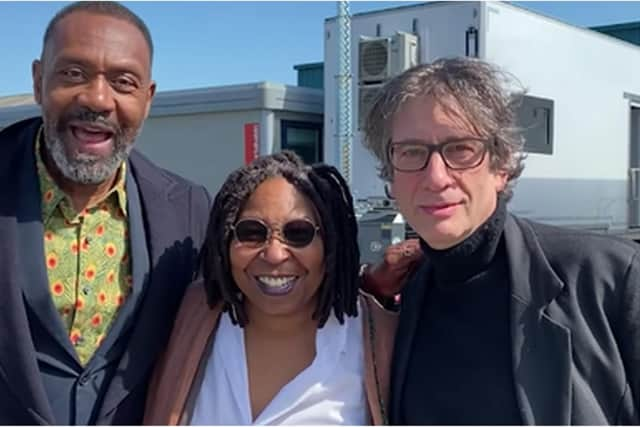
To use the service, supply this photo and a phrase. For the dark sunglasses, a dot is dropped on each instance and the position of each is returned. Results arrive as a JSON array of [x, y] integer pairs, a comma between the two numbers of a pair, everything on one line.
[[297, 233]]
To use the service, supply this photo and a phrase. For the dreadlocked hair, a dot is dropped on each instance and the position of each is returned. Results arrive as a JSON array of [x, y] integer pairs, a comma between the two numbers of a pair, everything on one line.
[[330, 196]]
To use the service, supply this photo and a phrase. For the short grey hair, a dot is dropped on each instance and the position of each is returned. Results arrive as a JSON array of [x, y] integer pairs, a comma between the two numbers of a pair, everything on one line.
[[474, 89], [107, 8]]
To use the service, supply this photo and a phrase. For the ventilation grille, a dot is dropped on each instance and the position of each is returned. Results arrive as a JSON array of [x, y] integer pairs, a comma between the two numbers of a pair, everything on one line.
[[374, 60]]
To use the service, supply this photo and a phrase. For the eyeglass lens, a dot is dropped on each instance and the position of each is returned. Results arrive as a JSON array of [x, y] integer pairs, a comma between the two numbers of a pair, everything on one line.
[[456, 154], [297, 233]]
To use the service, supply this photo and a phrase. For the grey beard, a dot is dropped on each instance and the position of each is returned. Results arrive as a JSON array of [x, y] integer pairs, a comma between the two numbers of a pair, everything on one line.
[[85, 168]]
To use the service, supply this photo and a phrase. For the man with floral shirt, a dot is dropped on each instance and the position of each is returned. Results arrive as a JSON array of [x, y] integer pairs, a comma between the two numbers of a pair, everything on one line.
[[97, 244]]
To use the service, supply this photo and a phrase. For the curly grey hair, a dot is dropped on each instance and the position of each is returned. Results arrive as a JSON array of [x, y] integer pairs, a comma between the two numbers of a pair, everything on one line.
[[474, 89]]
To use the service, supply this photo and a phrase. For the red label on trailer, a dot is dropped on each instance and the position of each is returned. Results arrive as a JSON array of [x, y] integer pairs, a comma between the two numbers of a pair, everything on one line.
[[251, 141]]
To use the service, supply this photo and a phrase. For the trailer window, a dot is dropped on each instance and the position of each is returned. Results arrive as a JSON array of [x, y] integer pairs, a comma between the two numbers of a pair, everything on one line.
[[535, 118], [304, 138]]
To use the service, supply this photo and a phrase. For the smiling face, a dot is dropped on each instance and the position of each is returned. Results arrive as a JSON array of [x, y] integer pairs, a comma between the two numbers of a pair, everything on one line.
[[93, 84], [443, 206], [277, 279]]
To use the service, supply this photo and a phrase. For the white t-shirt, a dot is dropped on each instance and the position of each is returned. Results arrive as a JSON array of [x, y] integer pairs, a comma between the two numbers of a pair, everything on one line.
[[329, 391]]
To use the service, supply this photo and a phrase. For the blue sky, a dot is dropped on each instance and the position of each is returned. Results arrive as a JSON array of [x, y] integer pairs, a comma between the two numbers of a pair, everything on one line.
[[209, 44]]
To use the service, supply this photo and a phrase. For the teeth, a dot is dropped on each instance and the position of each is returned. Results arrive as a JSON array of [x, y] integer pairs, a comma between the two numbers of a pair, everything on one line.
[[92, 135], [276, 282]]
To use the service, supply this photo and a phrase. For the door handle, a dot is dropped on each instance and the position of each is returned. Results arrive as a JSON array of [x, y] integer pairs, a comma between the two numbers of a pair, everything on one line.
[[633, 182]]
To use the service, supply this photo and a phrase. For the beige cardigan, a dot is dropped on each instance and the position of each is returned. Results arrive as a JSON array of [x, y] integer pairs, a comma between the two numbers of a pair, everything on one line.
[[179, 372]]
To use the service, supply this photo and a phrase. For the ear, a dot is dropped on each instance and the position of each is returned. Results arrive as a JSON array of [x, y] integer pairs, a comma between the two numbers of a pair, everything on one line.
[[501, 179], [36, 74], [388, 190], [151, 91]]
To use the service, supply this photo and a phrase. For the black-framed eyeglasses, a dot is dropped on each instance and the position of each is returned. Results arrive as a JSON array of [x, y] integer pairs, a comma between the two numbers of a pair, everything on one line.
[[296, 233], [457, 155]]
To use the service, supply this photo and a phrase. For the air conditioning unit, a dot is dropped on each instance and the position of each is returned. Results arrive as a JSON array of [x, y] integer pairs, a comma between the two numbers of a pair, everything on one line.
[[366, 96], [380, 58]]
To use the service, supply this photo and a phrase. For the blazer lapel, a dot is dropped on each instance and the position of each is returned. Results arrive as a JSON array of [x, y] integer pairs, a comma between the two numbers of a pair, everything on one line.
[[30, 249], [18, 366], [139, 250], [541, 346], [411, 303], [35, 285]]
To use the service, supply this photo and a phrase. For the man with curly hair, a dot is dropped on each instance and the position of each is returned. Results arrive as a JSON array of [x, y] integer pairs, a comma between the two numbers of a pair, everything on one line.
[[506, 321]]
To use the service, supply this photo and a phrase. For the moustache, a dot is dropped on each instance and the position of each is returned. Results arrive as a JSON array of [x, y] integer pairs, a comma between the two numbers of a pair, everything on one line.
[[90, 117]]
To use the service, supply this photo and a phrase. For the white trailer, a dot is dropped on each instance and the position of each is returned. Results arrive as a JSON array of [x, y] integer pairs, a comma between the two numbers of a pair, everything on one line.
[[582, 114]]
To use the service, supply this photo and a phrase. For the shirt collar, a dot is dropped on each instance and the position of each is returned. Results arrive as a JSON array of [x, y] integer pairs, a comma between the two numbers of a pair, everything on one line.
[[52, 195]]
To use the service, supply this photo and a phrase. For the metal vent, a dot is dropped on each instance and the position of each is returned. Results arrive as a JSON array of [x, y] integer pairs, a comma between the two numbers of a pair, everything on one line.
[[366, 97], [374, 60]]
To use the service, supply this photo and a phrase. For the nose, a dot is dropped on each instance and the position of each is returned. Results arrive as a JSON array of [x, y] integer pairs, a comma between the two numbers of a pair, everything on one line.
[[97, 96], [436, 176], [275, 252]]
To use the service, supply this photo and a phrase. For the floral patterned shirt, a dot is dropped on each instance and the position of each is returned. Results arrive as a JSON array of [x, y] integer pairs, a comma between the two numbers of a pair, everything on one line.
[[87, 258]]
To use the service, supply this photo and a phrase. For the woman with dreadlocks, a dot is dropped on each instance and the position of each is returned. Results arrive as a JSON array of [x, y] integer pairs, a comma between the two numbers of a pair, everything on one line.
[[277, 331]]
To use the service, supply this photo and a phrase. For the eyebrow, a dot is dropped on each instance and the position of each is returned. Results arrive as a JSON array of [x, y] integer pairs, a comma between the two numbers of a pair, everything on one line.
[[414, 141]]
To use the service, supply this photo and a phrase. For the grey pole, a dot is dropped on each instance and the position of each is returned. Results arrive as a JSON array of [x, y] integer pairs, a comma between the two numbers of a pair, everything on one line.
[[344, 129]]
